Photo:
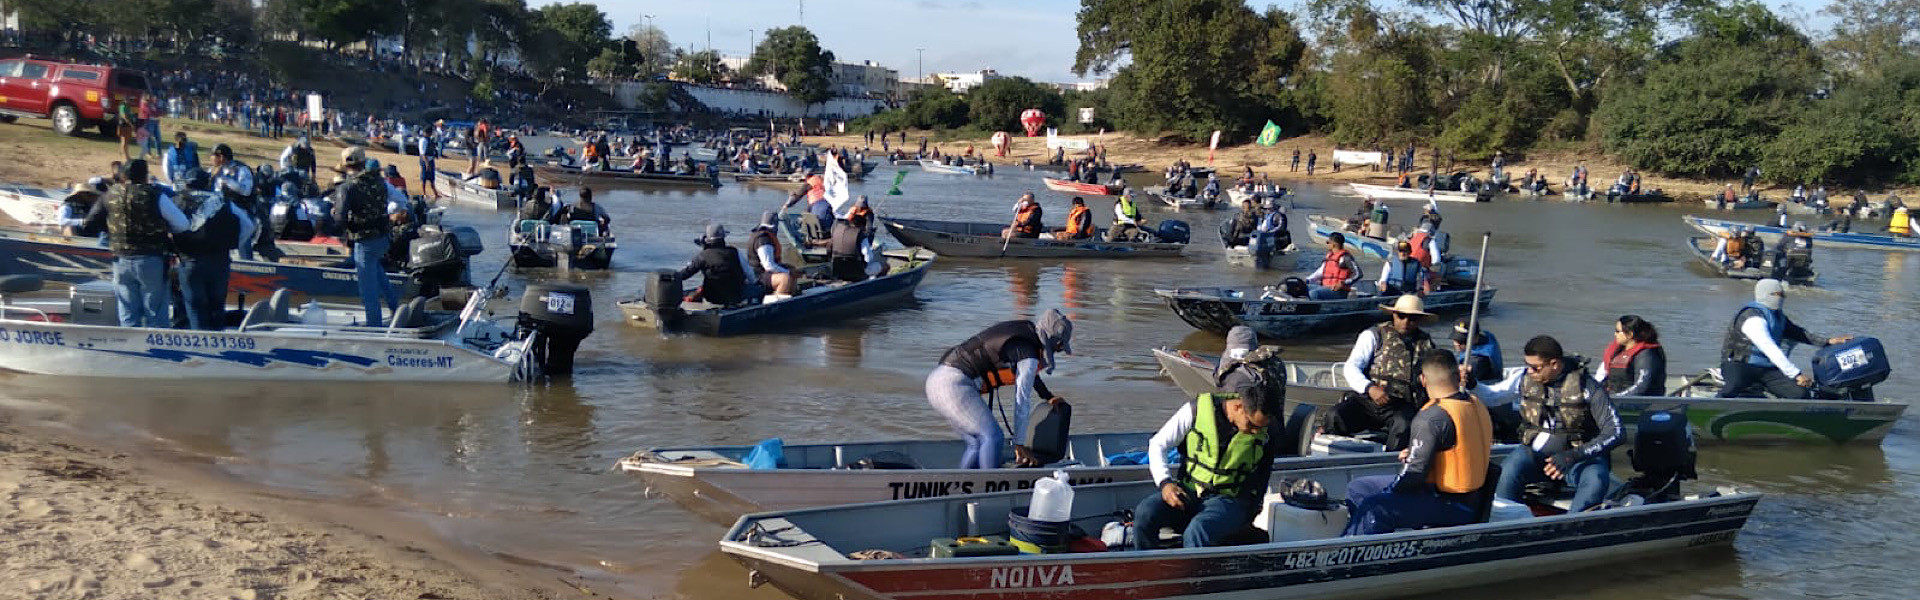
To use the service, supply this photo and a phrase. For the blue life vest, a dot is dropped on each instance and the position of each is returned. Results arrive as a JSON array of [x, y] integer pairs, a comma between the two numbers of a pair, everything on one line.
[[1776, 330]]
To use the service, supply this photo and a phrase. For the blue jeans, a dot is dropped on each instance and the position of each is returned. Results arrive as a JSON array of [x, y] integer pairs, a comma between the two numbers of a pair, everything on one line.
[[1589, 478], [1208, 522], [373, 278], [1376, 508], [1325, 293], [203, 285], [153, 138], [140, 290]]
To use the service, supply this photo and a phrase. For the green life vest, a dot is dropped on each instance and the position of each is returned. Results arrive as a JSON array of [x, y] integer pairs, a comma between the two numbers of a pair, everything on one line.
[[1129, 209], [1216, 457]]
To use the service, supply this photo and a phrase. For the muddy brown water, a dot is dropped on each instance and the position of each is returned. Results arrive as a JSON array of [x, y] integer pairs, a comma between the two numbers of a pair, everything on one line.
[[524, 471]]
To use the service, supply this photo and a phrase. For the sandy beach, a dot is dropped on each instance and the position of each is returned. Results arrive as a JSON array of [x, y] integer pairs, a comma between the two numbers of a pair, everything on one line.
[[84, 521]]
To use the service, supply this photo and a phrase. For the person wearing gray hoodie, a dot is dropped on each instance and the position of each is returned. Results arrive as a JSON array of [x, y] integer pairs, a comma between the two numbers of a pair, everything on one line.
[[1008, 353]]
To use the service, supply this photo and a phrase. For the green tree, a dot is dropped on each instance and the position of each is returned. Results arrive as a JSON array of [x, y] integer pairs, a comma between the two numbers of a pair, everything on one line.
[[652, 50], [700, 67], [1869, 34], [793, 56], [1192, 66], [997, 105], [1713, 101], [570, 35], [611, 63]]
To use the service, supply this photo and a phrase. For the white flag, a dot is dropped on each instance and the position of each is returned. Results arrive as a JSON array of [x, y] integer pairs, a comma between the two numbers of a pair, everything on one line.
[[835, 183], [1215, 144]]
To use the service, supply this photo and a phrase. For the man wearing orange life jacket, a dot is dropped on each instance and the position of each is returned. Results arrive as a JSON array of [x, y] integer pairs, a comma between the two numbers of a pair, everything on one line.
[[1444, 472], [1337, 273], [1026, 218], [1079, 221]]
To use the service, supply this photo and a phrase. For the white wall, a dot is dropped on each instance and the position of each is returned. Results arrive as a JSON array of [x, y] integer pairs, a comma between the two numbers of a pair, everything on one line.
[[753, 102]]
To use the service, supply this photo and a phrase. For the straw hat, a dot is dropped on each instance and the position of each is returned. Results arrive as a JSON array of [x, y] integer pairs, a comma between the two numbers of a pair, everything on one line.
[[82, 188], [1408, 304]]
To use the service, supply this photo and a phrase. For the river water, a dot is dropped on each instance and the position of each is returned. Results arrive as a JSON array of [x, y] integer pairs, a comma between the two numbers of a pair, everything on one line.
[[525, 471]]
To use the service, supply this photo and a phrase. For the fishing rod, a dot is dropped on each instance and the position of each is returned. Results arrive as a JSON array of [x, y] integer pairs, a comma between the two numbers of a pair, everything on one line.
[[1479, 280]]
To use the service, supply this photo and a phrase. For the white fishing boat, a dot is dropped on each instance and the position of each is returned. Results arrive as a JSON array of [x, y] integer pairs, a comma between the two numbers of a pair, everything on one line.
[[30, 206], [273, 341], [934, 166], [1388, 192], [474, 191], [829, 553]]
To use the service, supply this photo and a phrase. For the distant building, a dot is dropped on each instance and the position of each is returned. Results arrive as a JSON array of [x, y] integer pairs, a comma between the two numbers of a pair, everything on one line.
[[959, 83], [9, 17], [864, 80], [1082, 86]]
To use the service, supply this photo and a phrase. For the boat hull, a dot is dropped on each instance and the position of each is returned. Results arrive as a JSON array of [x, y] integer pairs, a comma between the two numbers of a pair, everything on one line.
[[470, 193], [1830, 239], [569, 174], [800, 551], [1387, 192], [1772, 421], [29, 206], [79, 260], [982, 240], [814, 307], [1075, 187], [1702, 250], [1219, 309], [64, 349]]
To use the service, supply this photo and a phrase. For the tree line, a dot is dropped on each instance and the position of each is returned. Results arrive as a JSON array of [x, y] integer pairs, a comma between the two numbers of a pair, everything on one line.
[[1693, 88]]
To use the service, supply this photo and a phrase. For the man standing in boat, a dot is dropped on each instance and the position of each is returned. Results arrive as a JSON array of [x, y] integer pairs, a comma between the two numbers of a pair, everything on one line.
[[138, 221], [1227, 449], [1380, 371], [1444, 466], [1567, 423], [1009, 353], [1758, 342], [361, 207]]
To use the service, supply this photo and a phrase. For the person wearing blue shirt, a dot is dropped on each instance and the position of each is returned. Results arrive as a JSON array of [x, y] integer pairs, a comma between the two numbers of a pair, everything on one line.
[[180, 160]]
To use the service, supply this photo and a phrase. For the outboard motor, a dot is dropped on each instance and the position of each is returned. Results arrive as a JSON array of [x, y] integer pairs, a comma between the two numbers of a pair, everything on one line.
[[1174, 231], [438, 257], [662, 297], [1848, 370], [1295, 287], [559, 315], [1663, 454]]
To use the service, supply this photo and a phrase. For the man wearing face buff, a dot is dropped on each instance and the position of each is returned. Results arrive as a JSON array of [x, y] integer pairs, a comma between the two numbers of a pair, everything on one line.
[[1567, 422], [1227, 449], [1754, 354], [1009, 353]]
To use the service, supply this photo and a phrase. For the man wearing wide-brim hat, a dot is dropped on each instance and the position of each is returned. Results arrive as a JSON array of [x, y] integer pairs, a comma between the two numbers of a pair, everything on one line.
[[1380, 371], [74, 207]]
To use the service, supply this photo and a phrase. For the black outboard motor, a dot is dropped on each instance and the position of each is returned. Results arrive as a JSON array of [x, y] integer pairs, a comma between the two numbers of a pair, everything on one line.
[[1294, 287], [560, 315], [1663, 454], [662, 297], [438, 258], [1174, 231]]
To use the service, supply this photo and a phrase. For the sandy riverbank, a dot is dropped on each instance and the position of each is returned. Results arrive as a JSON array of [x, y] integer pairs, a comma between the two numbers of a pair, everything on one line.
[[83, 520], [37, 156], [1273, 162]]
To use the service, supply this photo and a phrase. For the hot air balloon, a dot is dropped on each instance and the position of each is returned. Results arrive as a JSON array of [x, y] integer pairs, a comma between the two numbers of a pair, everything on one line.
[[1033, 120]]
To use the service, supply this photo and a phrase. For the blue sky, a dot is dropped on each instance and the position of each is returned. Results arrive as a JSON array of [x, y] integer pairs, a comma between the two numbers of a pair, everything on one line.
[[1028, 38]]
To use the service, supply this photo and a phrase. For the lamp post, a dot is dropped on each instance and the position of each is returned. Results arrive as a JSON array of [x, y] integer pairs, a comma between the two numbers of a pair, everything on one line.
[[923, 64], [647, 52]]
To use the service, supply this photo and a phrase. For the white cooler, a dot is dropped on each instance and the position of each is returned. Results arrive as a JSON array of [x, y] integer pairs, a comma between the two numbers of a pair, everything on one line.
[[1288, 523]]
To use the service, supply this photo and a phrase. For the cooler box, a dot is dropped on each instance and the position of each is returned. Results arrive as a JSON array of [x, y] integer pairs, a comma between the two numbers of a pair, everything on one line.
[[1328, 444], [1288, 523], [1854, 363], [92, 303]]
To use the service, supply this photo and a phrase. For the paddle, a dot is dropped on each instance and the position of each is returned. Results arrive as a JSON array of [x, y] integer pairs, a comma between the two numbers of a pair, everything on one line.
[[1479, 279]]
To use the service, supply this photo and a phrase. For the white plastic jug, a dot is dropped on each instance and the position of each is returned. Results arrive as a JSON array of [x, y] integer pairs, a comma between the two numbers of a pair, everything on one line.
[[312, 314], [1052, 499]]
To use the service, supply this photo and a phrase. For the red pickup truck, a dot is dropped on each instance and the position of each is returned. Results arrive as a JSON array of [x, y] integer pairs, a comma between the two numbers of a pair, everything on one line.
[[75, 96]]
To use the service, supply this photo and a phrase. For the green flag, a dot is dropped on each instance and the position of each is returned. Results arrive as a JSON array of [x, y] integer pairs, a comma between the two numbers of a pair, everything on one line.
[[1269, 135], [897, 178]]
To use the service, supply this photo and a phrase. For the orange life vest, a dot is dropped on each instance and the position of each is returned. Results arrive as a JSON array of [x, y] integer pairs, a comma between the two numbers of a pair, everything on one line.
[[593, 152], [1002, 377], [1736, 246], [1079, 223], [1420, 248], [1026, 221], [1463, 468], [1334, 272]]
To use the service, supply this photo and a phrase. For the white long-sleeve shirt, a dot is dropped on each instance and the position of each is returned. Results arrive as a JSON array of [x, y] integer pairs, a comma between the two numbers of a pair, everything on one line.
[[1169, 436], [1357, 361], [1755, 328], [768, 260], [286, 158], [1720, 250]]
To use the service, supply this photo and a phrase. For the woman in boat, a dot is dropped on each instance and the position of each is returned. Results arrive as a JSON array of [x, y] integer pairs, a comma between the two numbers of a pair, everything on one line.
[[1634, 363], [1009, 353], [1079, 221]]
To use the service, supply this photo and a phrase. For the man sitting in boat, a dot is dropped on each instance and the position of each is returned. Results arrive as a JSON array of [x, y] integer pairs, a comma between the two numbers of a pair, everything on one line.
[[1754, 353], [1227, 452], [1404, 274], [1337, 273], [1079, 221], [1444, 467], [1731, 249], [1380, 371], [763, 254], [723, 270], [1270, 235], [1794, 258], [585, 209], [847, 250], [75, 206], [1901, 225], [1567, 422], [1008, 353], [1026, 218], [1244, 224], [1126, 218]]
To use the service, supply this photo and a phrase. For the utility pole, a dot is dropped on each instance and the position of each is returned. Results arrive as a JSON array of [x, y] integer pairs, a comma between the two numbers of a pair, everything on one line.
[[803, 12], [647, 52], [923, 64]]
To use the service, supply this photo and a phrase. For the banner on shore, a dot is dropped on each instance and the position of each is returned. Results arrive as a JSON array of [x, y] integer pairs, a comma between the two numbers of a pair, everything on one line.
[[1055, 141], [1269, 135], [1352, 157], [316, 108]]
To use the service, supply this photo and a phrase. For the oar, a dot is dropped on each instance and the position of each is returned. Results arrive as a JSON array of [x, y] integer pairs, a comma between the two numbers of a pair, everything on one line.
[[1479, 279]]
